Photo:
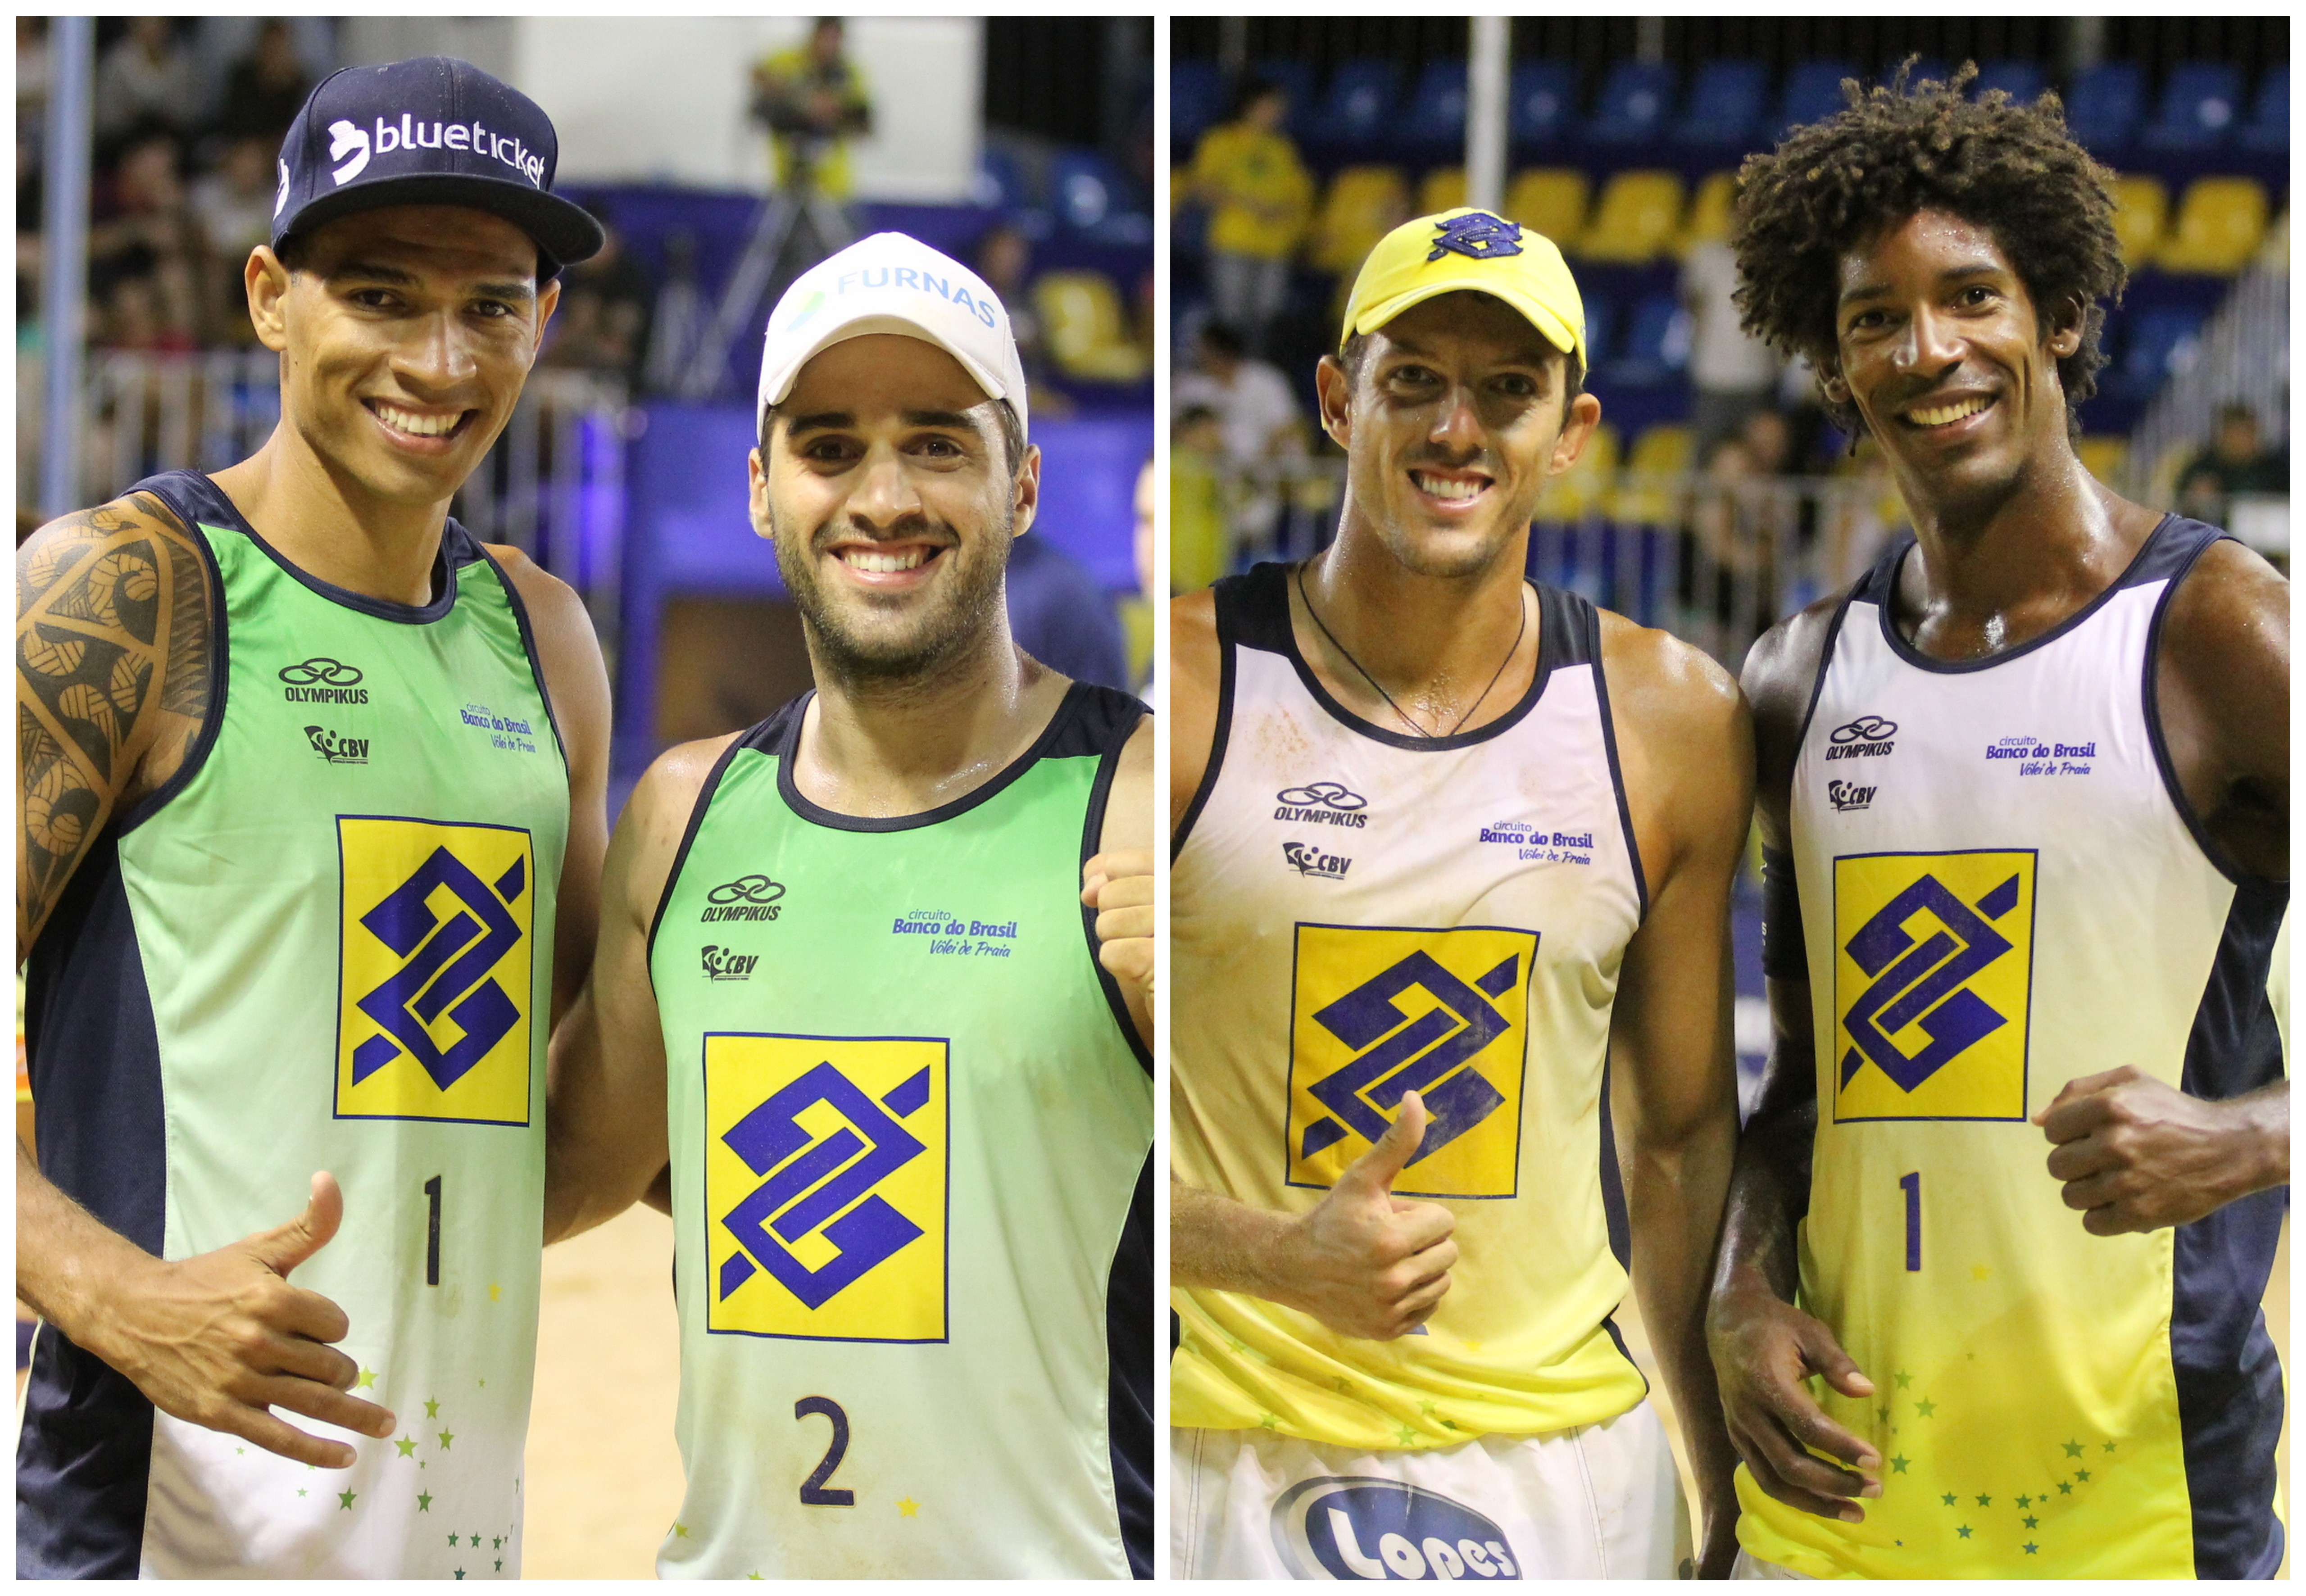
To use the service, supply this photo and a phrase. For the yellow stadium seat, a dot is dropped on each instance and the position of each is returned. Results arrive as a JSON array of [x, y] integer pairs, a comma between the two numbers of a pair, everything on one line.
[[1087, 336], [1649, 496], [2104, 457], [1709, 211], [1444, 189], [2141, 206], [2220, 224], [1578, 491], [1551, 200], [1363, 204], [1634, 221]]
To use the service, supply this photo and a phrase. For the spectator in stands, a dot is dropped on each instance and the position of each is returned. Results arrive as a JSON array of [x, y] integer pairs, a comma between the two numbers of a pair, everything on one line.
[[31, 73], [1732, 370], [131, 318], [232, 210], [2236, 462], [602, 322], [1769, 441], [1004, 260], [812, 101], [265, 89], [1059, 616], [1200, 544], [1260, 199], [1257, 416], [142, 228], [148, 77]]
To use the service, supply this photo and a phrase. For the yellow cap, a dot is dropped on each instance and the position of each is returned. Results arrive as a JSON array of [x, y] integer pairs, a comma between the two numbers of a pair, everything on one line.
[[1475, 249]]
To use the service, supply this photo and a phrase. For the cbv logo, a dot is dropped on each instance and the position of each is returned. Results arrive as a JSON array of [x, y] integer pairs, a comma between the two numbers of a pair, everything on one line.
[[725, 964], [1348, 1527], [1309, 860], [334, 750], [1848, 795]]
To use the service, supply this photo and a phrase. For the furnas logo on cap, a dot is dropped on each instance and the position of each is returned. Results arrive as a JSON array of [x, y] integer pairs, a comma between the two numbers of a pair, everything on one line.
[[346, 138], [955, 293], [1353, 1527]]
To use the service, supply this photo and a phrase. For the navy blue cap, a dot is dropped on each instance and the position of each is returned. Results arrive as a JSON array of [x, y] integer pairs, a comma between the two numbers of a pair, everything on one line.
[[433, 131]]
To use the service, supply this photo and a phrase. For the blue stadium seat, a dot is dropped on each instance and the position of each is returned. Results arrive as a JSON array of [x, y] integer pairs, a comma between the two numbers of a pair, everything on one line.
[[1356, 112], [2201, 101], [1084, 188], [1601, 321], [1635, 99], [1812, 93], [2269, 127], [1724, 103], [1434, 119], [1656, 344], [2103, 106], [1542, 102], [1000, 179], [1196, 101], [2022, 80], [2154, 344]]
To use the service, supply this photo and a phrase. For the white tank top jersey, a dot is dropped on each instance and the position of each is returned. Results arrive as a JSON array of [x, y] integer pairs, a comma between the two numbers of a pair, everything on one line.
[[1355, 914], [2001, 890]]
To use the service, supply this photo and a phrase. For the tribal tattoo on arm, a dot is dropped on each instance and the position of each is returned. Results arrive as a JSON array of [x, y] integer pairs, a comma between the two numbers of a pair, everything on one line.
[[113, 627]]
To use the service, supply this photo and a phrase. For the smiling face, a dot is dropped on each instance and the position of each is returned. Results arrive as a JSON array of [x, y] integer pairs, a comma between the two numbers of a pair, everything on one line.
[[405, 334], [888, 489], [1452, 422], [1945, 354]]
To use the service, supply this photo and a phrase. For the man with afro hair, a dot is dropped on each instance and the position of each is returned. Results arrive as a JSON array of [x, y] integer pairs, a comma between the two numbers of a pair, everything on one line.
[[2013, 1188]]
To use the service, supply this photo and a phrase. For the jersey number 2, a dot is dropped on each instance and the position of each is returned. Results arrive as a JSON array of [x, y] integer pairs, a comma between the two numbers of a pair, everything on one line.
[[1911, 1186], [814, 1492]]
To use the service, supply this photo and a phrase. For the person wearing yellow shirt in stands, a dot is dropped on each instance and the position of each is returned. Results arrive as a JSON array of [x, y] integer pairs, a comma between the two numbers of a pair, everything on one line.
[[811, 100], [1260, 197]]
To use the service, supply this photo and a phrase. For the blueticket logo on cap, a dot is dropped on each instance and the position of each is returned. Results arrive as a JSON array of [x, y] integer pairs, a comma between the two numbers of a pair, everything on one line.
[[346, 140]]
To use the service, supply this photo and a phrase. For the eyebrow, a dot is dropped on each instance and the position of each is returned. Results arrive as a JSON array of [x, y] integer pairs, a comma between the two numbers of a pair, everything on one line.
[[1982, 268], [828, 421], [376, 272]]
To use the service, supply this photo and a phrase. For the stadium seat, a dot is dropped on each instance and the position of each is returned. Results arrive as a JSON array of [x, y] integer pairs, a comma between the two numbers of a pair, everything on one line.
[[2201, 102], [1357, 111], [1543, 99], [2104, 457], [1363, 204], [1660, 453], [1581, 489], [1812, 92], [2220, 224], [1724, 103], [2269, 127], [1084, 188], [1000, 179], [2156, 344], [1434, 119], [1552, 201], [2022, 80], [1444, 189], [1196, 101], [1087, 336], [1655, 348], [2103, 107], [1709, 211], [1601, 326], [2141, 208], [1635, 99], [1634, 221]]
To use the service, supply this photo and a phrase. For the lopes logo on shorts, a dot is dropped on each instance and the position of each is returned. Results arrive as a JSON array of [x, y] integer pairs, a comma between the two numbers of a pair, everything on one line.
[[437, 959], [1345, 1526], [825, 1173], [1378, 1012], [1933, 979]]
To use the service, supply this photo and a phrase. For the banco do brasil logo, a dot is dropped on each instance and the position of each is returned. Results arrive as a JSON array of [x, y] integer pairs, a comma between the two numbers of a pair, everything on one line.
[[1321, 802], [1350, 1526], [747, 898], [1866, 737], [322, 680]]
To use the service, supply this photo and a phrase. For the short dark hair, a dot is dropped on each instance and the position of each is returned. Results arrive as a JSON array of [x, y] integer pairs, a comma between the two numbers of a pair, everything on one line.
[[1573, 370], [1012, 434], [1250, 90], [1900, 149], [1224, 337]]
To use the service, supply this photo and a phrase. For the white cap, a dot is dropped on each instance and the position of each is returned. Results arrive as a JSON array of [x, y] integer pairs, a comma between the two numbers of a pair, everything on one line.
[[891, 283]]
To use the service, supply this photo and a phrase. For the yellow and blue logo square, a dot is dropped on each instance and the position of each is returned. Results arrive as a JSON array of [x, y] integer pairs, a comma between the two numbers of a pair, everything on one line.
[[436, 978], [825, 1191], [1379, 1011], [1934, 965]]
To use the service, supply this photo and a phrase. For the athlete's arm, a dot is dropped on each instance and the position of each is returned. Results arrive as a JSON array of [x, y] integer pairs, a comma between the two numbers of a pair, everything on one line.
[[1195, 669], [604, 1118], [1765, 1349], [1118, 881], [2133, 1152], [113, 670], [577, 680]]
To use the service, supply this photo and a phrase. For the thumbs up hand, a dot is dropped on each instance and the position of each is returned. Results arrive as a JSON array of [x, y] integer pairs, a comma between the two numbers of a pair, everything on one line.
[[1367, 1263], [221, 1339]]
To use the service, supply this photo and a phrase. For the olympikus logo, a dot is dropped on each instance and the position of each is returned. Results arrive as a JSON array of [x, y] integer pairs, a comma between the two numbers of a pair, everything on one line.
[[322, 680], [338, 750], [347, 140], [1867, 736], [747, 898], [721, 964], [1322, 803]]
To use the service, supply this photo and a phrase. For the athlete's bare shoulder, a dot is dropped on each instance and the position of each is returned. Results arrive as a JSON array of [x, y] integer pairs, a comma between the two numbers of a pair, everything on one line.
[[568, 648], [1778, 676], [1195, 670], [2223, 686], [114, 619], [655, 818], [1685, 744]]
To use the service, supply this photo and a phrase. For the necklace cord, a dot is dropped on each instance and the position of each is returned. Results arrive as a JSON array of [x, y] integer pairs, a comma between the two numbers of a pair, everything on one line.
[[1521, 625]]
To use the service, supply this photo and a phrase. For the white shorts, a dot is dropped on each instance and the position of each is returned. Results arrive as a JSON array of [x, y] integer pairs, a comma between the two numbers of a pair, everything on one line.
[[1599, 1502], [1750, 1566]]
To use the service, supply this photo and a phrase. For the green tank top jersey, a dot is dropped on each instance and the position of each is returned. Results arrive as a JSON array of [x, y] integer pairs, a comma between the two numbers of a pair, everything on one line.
[[334, 932], [911, 1134]]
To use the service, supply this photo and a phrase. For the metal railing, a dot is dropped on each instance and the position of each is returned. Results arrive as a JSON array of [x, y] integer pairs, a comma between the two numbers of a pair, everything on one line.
[[2243, 358]]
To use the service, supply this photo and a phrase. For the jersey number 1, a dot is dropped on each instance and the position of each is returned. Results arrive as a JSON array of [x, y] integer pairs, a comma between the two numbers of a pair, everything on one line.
[[814, 1492], [432, 1233], [1911, 1184]]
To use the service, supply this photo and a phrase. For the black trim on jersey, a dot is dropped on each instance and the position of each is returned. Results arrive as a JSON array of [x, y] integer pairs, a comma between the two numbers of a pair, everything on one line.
[[1111, 721], [1880, 589], [2180, 563], [688, 832], [196, 756], [1264, 598], [1614, 1217], [1128, 1318], [83, 1457], [528, 647], [1226, 595], [2229, 1378], [1590, 622], [1825, 660]]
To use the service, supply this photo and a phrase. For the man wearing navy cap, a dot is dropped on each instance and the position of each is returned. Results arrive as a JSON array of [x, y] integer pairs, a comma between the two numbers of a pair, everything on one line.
[[311, 821]]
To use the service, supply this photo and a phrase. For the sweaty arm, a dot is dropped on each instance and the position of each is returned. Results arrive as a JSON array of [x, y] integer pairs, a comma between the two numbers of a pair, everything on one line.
[[1764, 1348], [1365, 1262], [1117, 882], [605, 1121], [114, 614], [1686, 743], [2131, 1152]]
